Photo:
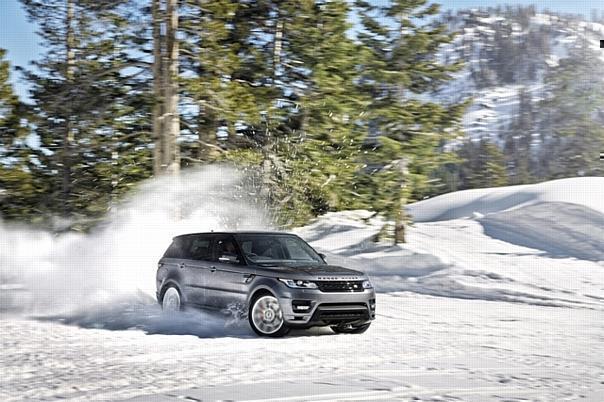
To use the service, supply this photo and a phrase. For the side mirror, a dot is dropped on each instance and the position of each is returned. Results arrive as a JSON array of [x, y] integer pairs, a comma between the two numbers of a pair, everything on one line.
[[322, 256]]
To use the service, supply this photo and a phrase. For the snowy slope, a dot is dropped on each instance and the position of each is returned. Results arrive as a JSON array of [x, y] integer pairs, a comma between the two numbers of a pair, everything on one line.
[[583, 191], [495, 106]]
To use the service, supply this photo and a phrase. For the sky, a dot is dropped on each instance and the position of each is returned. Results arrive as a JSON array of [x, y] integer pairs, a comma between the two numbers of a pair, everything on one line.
[[18, 36]]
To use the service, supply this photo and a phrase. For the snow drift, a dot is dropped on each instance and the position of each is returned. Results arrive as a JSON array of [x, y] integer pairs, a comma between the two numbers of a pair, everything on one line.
[[564, 218], [558, 229], [584, 191]]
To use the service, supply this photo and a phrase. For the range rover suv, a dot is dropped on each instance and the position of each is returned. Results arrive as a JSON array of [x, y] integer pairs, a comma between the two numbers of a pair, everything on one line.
[[276, 279]]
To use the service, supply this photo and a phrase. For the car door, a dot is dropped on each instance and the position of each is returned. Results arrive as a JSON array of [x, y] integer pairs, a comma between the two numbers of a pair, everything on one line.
[[228, 281], [196, 265]]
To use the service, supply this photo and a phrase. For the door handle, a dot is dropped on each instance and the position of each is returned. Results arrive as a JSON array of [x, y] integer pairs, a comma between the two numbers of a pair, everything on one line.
[[181, 265], [212, 269]]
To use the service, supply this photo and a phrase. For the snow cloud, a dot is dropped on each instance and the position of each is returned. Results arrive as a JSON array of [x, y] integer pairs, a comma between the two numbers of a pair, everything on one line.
[[69, 272]]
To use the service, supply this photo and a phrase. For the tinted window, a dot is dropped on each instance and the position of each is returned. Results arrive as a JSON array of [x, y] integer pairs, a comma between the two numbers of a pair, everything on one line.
[[175, 250], [226, 249], [199, 248]]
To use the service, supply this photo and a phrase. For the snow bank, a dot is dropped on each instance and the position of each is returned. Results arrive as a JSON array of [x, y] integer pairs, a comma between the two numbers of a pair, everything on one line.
[[559, 229], [563, 218], [585, 191]]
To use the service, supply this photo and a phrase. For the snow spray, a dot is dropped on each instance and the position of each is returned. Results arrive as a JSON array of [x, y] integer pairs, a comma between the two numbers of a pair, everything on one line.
[[117, 261]]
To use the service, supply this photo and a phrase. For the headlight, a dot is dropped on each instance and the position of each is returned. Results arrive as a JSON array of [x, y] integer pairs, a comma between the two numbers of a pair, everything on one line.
[[299, 284], [367, 284]]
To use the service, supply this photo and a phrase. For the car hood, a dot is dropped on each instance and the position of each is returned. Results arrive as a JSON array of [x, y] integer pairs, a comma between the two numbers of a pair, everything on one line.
[[316, 272]]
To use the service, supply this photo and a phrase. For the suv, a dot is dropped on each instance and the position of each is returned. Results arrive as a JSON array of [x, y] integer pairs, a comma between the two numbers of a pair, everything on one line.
[[276, 279]]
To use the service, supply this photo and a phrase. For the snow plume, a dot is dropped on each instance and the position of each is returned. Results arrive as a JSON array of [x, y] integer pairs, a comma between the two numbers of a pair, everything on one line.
[[118, 260]]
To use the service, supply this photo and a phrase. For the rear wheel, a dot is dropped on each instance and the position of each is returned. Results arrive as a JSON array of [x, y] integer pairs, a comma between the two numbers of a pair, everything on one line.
[[266, 317], [350, 328], [171, 302]]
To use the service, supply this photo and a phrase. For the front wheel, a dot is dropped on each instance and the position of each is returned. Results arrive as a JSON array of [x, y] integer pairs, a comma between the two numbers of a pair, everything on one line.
[[266, 317], [350, 328]]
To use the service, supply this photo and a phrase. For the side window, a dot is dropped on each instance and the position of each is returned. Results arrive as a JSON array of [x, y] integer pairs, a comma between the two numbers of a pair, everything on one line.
[[200, 248], [225, 250], [175, 250]]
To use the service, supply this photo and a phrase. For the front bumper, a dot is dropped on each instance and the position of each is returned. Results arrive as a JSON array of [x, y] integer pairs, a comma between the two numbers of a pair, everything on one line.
[[326, 308]]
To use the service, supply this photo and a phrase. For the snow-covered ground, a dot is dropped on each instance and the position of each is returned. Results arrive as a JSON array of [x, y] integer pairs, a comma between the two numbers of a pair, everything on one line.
[[420, 348], [497, 296]]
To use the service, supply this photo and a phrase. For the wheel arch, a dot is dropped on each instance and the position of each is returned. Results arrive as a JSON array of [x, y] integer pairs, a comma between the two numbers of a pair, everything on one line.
[[258, 292], [265, 284]]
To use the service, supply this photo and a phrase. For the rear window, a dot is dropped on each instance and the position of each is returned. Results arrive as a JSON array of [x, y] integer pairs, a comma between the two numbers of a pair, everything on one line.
[[190, 248], [200, 249], [175, 250]]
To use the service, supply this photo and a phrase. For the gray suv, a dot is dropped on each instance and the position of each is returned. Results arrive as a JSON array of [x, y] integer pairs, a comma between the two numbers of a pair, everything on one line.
[[276, 279]]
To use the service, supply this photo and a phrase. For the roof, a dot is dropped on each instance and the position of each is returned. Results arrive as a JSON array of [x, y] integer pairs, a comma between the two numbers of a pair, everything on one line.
[[234, 232]]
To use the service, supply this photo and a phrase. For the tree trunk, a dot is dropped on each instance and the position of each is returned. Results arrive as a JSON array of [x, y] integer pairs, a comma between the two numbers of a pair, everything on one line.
[[158, 98], [171, 72], [267, 164], [166, 118], [277, 46], [400, 219], [208, 149], [399, 226], [68, 135]]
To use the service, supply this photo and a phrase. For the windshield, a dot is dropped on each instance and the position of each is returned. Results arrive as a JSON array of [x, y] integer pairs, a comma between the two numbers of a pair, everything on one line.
[[272, 249]]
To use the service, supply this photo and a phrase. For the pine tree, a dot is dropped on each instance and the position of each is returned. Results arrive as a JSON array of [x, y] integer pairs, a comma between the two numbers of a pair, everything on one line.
[[398, 62], [572, 133], [518, 141], [278, 77], [488, 168], [87, 106], [228, 66], [319, 68], [19, 189]]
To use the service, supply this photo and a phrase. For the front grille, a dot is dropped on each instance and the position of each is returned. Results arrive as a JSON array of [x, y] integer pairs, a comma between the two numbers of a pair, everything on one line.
[[340, 286]]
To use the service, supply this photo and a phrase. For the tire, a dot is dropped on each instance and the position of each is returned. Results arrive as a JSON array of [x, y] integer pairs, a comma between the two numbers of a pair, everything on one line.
[[350, 329], [172, 300], [266, 317]]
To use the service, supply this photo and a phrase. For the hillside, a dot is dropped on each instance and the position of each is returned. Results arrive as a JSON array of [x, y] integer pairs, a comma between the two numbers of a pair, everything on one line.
[[507, 52]]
